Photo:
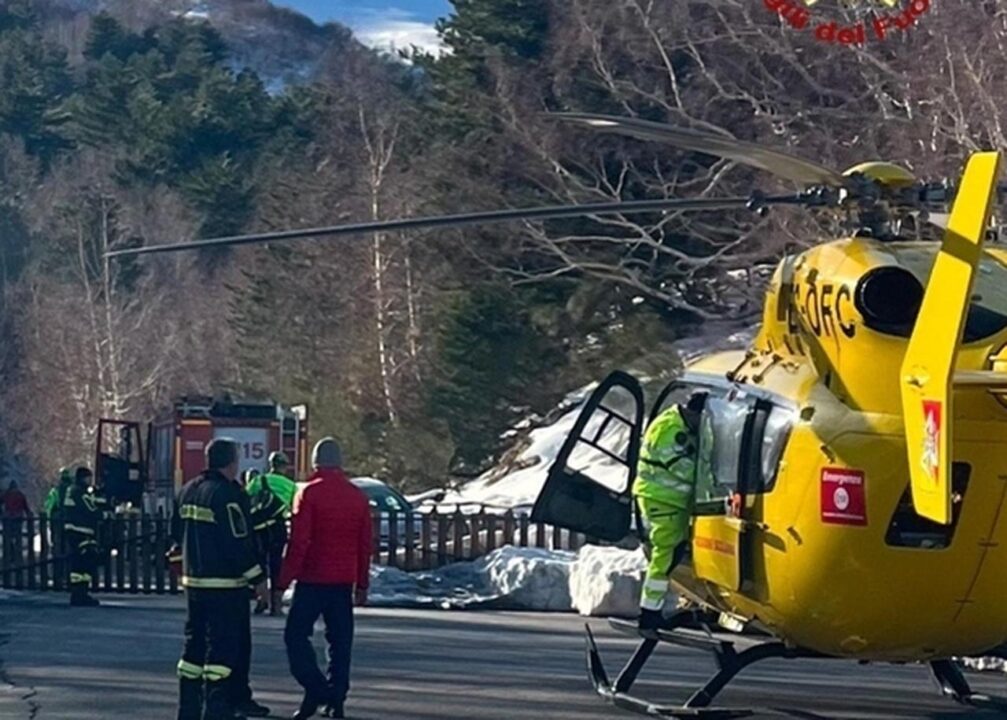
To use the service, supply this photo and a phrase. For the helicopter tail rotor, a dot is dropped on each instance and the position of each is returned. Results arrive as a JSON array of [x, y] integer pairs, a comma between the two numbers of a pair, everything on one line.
[[927, 375]]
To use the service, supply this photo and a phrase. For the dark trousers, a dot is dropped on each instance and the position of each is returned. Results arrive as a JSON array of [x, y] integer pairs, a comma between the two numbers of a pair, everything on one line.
[[270, 543], [334, 603], [214, 664], [83, 560]]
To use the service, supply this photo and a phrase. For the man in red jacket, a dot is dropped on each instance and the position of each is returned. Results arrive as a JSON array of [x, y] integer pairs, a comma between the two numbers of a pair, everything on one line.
[[329, 556]]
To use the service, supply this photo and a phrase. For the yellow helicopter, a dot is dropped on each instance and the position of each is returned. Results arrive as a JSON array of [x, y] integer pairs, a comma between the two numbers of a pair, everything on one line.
[[855, 507]]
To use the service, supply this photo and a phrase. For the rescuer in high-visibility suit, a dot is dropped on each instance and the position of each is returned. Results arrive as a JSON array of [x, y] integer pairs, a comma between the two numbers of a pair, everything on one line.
[[81, 518], [57, 494], [279, 483], [269, 524], [210, 526], [665, 493], [54, 511]]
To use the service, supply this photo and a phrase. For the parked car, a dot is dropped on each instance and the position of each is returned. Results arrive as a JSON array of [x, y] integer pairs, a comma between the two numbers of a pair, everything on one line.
[[389, 501]]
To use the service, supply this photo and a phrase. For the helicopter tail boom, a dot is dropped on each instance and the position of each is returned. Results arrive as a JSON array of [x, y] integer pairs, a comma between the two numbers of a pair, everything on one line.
[[927, 377]]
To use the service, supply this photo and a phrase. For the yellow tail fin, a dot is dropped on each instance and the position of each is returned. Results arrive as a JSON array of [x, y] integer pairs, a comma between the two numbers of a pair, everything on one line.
[[928, 367]]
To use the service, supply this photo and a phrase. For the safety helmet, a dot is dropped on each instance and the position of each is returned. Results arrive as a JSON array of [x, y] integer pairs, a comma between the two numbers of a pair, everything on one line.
[[278, 459]]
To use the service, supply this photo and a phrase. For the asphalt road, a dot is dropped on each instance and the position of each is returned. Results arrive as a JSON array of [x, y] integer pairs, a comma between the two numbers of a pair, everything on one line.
[[118, 661]]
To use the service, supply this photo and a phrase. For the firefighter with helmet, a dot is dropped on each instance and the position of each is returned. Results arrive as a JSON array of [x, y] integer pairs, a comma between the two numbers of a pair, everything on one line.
[[665, 492], [81, 519]]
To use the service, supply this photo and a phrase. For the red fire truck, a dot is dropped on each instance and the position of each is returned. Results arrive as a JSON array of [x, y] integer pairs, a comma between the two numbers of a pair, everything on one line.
[[176, 441]]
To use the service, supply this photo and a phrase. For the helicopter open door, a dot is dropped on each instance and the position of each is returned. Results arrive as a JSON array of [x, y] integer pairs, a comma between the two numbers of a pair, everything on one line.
[[588, 486]]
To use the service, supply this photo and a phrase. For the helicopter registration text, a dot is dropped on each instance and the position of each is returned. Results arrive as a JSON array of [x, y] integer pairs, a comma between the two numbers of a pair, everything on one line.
[[844, 501]]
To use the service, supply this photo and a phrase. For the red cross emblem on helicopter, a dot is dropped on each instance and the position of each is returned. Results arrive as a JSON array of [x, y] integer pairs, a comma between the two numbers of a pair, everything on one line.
[[931, 438]]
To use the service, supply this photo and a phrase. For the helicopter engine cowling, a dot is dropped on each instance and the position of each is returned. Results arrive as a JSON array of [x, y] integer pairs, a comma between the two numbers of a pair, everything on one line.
[[848, 307]]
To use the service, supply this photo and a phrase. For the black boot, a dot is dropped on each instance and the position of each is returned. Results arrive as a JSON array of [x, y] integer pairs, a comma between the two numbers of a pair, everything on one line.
[[309, 706], [333, 710], [650, 621], [250, 708], [190, 699]]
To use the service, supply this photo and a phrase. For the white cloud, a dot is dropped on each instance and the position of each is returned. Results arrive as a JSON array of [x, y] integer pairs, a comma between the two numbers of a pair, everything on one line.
[[394, 29]]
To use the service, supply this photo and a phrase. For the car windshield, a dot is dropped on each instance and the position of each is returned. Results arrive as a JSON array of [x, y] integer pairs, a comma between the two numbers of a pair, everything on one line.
[[385, 499]]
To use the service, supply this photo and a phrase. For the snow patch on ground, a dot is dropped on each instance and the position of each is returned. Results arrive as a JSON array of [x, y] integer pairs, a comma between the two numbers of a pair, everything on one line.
[[984, 664], [605, 581], [509, 578], [599, 581]]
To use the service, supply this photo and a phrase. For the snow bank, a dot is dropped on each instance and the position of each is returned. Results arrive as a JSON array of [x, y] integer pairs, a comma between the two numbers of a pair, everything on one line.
[[605, 581], [600, 581], [507, 579], [529, 578], [984, 664]]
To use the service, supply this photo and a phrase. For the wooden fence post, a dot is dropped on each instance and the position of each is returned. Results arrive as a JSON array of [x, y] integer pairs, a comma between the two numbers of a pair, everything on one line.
[[45, 556], [393, 539], [539, 535], [160, 548], [442, 540], [508, 531], [108, 544], [5, 554], [376, 537], [146, 550], [30, 528], [426, 541], [475, 523], [490, 521], [410, 541], [523, 531], [120, 554], [459, 523], [134, 553]]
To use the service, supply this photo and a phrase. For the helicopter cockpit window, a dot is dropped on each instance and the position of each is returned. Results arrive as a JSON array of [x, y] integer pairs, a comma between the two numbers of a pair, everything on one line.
[[721, 435], [774, 438]]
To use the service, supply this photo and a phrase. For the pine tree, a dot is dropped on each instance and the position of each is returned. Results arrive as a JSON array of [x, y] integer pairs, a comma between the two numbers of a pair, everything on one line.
[[490, 355]]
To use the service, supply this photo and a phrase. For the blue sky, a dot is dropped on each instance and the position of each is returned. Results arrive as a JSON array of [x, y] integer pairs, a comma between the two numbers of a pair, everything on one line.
[[385, 23]]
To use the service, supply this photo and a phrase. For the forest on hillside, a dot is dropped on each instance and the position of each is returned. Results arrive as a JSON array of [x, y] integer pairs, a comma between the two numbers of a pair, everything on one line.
[[418, 350]]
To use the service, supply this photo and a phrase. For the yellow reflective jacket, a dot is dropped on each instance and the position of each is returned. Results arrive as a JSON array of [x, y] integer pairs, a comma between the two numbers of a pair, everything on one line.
[[666, 471]]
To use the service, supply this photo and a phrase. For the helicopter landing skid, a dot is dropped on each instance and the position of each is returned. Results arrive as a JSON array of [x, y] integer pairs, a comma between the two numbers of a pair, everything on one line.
[[953, 685], [729, 663]]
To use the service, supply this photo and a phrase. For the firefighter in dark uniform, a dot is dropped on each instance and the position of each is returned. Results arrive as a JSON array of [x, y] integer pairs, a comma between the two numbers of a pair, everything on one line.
[[210, 525], [81, 519], [269, 523]]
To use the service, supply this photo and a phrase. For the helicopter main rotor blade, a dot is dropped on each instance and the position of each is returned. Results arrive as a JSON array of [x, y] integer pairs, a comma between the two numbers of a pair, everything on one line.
[[494, 216], [778, 163]]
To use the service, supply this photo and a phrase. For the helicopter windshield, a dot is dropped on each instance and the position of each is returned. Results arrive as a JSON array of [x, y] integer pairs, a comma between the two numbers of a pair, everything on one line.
[[986, 314]]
